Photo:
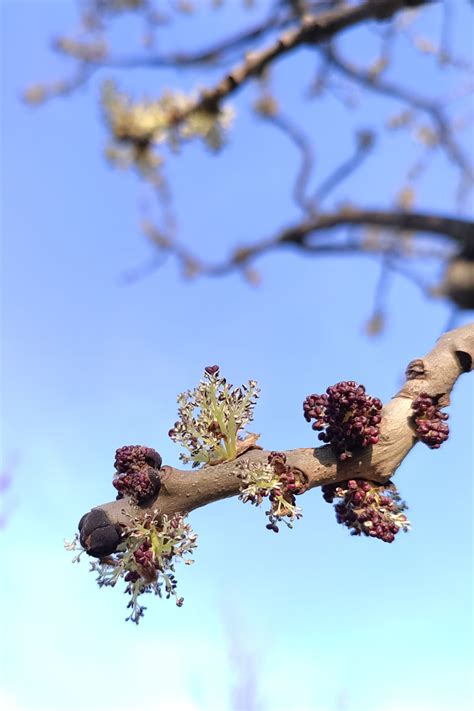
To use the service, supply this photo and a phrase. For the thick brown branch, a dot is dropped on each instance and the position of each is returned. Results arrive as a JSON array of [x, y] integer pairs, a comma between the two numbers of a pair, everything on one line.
[[313, 29], [298, 236], [459, 230], [435, 374], [462, 231]]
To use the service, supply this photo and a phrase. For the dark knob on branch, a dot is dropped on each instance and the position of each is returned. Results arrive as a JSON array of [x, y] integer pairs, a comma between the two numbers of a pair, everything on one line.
[[97, 534]]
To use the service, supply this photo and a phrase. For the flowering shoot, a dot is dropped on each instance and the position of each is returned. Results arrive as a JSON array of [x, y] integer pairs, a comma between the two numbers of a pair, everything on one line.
[[145, 559], [349, 418], [368, 509], [211, 418], [276, 480]]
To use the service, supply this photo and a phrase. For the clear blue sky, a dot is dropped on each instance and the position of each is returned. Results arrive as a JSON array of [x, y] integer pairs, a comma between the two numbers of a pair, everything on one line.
[[315, 619]]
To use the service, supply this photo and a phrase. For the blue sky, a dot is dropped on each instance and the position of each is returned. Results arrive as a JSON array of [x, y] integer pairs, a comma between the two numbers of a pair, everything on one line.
[[315, 619]]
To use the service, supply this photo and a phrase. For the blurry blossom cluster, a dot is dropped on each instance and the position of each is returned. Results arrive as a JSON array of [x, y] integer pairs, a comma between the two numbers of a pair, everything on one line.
[[139, 128]]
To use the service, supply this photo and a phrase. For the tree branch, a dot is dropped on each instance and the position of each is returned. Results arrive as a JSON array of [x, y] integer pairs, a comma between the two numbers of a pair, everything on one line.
[[364, 145], [182, 491], [458, 230], [209, 55], [304, 146], [461, 231], [313, 30]]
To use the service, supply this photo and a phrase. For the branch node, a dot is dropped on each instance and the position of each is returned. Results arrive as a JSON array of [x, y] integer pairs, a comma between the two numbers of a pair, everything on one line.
[[415, 369]]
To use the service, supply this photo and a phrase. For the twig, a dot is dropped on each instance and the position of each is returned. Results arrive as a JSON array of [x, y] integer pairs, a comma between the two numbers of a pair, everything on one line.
[[302, 142], [461, 231], [345, 169]]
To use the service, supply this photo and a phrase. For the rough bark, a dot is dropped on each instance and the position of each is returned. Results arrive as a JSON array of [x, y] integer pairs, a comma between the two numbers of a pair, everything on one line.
[[435, 373]]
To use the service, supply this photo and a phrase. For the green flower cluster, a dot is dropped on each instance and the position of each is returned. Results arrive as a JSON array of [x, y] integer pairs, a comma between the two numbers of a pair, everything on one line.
[[211, 418], [145, 559], [277, 481], [138, 128]]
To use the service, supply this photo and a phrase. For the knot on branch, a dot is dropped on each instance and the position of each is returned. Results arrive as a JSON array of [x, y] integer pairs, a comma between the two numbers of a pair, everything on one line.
[[415, 369]]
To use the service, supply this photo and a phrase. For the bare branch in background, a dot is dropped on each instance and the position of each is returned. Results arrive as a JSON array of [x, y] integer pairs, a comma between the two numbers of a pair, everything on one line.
[[304, 146], [300, 235], [144, 133], [313, 31], [364, 144]]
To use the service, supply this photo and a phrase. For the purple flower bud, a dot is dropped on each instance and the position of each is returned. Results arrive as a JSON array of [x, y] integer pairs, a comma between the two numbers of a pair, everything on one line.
[[429, 421], [349, 419]]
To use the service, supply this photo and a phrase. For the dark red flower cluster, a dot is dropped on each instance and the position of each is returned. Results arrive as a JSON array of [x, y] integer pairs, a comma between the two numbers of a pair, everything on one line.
[[139, 485], [290, 481], [144, 556], [429, 421], [134, 457], [368, 509], [282, 496], [150, 568], [349, 418], [138, 472]]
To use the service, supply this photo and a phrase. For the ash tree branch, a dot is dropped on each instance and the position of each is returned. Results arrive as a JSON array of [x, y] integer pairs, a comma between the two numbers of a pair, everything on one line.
[[305, 148], [207, 56], [309, 204], [310, 29], [313, 30], [299, 236], [210, 56], [458, 230], [364, 145], [183, 491]]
